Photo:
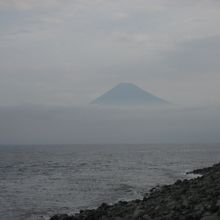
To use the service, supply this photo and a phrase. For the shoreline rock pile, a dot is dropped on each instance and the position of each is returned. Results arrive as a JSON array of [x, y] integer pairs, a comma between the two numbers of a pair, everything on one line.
[[194, 199]]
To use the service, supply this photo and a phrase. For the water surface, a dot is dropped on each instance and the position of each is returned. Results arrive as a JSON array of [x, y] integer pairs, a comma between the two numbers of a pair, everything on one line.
[[39, 181]]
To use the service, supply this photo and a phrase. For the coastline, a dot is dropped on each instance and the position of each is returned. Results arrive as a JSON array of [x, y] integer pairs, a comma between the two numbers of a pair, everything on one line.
[[193, 199]]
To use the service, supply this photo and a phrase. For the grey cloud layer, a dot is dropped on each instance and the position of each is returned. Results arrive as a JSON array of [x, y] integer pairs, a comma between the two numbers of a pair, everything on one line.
[[65, 52]]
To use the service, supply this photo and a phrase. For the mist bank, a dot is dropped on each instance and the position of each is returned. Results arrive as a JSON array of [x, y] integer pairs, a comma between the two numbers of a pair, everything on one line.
[[94, 125]]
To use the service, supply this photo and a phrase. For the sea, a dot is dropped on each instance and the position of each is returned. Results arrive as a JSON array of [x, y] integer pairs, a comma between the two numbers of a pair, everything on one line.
[[37, 182]]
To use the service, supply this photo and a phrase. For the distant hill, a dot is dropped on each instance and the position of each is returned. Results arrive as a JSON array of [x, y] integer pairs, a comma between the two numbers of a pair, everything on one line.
[[128, 94]]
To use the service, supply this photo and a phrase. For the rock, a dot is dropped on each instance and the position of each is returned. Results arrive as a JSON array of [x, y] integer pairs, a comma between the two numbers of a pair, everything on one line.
[[146, 217], [138, 213], [199, 209], [218, 203], [127, 217], [60, 217], [118, 218], [210, 217], [178, 182], [104, 217]]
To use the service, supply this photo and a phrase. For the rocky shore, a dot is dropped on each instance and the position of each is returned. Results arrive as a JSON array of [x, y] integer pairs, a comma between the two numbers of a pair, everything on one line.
[[194, 199]]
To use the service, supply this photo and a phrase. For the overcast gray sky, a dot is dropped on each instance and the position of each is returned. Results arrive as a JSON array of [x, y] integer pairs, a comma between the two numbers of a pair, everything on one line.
[[56, 56], [67, 52]]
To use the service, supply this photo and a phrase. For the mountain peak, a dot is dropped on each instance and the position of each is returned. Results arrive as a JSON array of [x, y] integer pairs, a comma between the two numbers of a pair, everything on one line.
[[126, 85], [128, 94]]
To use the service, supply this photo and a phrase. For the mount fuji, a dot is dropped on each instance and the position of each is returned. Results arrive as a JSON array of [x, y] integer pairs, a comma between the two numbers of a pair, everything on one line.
[[128, 94]]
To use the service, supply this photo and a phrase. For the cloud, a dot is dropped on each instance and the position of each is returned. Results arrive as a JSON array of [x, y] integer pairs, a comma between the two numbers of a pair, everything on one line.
[[29, 4], [66, 51]]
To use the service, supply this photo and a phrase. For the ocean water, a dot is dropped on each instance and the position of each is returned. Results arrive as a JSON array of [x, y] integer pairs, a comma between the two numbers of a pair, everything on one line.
[[39, 181]]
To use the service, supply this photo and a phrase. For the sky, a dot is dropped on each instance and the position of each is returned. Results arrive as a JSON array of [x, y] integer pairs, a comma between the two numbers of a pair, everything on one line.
[[68, 52], [56, 56]]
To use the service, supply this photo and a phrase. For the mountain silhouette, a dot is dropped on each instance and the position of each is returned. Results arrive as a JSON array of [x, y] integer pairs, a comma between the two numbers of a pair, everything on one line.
[[128, 94]]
